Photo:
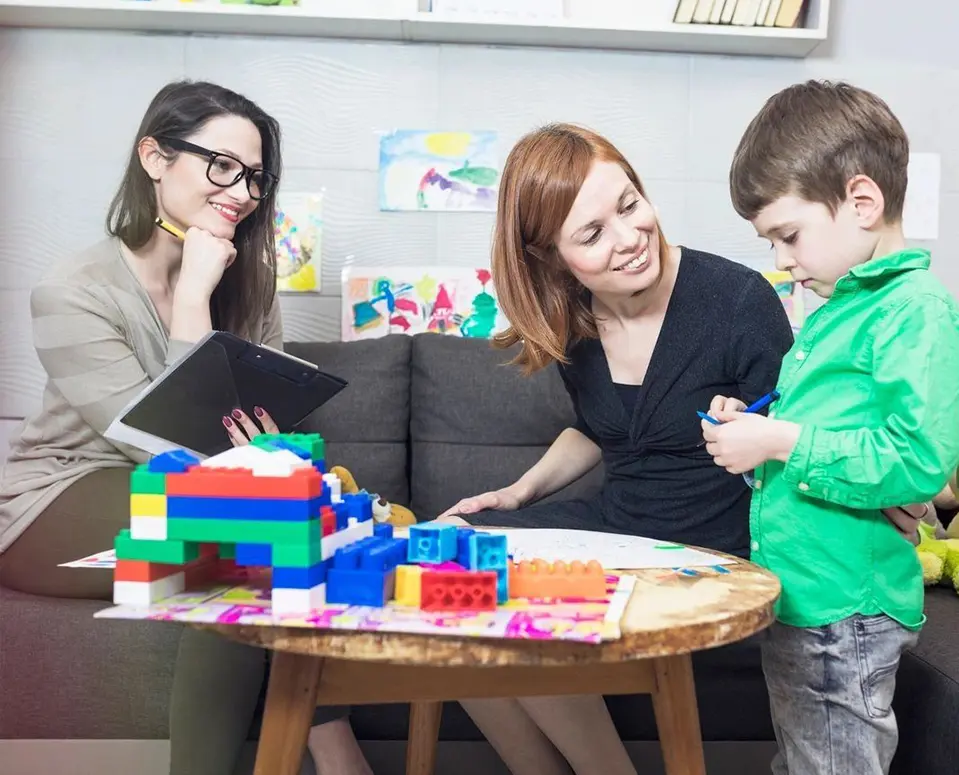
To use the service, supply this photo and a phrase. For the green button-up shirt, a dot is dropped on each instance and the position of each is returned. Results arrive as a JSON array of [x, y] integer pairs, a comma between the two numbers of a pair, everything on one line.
[[873, 379]]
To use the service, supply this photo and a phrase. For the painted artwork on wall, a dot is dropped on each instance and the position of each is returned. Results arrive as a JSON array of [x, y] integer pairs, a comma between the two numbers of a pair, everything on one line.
[[791, 294], [411, 300], [439, 171], [298, 233]]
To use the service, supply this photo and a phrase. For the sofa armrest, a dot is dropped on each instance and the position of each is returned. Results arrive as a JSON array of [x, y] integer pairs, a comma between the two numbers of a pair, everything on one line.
[[927, 692]]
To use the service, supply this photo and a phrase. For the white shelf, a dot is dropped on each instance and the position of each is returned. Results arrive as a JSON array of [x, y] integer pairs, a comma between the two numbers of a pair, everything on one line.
[[401, 22]]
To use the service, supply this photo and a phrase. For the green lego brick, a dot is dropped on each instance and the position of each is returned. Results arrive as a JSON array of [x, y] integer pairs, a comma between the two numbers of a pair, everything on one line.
[[243, 531], [297, 555], [227, 551], [169, 552], [311, 443], [143, 481]]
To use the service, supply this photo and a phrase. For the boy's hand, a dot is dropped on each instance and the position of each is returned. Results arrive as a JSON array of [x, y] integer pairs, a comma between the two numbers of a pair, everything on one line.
[[725, 404], [745, 441]]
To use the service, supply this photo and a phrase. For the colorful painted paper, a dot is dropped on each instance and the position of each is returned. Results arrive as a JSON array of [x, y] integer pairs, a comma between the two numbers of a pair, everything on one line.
[[298, 234], [377, 301], [791, 294], [439, 171], [104, 559], [248, 603]]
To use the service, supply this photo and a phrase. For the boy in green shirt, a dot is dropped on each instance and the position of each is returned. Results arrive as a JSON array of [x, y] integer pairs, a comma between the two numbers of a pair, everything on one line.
[[866, 421]]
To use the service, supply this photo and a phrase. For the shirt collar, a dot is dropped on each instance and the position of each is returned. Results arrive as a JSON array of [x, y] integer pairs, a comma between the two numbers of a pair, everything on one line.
[[893, 263]]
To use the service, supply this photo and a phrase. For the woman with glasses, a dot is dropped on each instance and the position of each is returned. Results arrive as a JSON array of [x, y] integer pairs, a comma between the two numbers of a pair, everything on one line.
[[105, 323]]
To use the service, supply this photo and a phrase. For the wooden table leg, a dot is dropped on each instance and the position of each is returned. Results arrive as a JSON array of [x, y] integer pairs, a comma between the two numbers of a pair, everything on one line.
[[288, 713], [677, 716], [423, 737]]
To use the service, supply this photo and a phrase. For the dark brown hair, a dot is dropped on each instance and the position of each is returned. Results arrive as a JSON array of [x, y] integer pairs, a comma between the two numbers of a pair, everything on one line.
[[179, 110], [547, 308], [810, 139]]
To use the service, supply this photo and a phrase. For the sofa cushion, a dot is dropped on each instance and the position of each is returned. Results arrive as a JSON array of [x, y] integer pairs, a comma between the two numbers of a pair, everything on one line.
[[477, 423], [366, 426]]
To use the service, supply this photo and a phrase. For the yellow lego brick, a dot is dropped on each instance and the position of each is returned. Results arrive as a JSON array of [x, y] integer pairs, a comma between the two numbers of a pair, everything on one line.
[[409, 584], [143, 505]]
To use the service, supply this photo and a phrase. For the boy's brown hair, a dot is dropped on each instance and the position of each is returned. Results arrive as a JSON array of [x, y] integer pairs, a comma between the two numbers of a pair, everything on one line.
[[547, 308], [810, 139]]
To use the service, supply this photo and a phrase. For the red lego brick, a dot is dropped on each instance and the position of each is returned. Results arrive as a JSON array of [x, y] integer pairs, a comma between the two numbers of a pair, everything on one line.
[[458, 591], [143, 570], [327, 520], [302, 484]]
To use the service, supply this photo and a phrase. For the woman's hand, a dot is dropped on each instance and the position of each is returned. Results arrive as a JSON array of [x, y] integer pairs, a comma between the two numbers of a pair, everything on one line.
[[205, 259], [907, 519], [242, 429], [507, 499]]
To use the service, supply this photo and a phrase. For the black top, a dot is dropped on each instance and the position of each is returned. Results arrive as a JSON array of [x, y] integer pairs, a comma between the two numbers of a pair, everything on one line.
[[725, 332]]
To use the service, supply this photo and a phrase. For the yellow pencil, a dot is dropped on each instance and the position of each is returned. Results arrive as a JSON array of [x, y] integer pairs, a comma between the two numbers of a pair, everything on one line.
[[170, 228]]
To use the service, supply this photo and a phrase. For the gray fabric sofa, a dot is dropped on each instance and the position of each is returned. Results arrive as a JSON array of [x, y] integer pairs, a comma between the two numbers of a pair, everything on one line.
[[425, 421]]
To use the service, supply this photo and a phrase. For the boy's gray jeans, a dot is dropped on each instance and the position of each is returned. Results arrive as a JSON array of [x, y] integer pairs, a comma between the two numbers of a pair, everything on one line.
[[830, 693]]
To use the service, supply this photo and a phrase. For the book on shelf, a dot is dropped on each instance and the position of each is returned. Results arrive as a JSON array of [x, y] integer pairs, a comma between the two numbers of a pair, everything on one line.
[[742, 13]]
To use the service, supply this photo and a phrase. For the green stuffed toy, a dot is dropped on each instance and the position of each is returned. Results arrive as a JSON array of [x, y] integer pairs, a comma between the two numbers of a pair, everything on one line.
[[938, 552]]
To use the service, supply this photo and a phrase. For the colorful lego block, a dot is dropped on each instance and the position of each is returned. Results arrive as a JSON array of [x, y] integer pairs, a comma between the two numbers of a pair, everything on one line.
[[432, 542], [558, 581], [458, 591], [147, 505], [170, 551], [251, 509], [243, 530], [253, 554], [300, 484], [173, 462], [144, 481], [487, 552], [409, 580], [311, 446]]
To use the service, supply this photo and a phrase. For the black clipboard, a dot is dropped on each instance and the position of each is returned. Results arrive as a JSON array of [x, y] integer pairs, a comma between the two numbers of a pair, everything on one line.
[[185, 406]]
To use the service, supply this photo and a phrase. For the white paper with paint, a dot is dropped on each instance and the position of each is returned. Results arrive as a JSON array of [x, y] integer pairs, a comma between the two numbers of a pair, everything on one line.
[[920, 216], [618, 552]]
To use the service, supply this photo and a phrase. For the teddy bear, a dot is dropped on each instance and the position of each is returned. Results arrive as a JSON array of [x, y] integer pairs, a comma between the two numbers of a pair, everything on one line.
[[383, 510]]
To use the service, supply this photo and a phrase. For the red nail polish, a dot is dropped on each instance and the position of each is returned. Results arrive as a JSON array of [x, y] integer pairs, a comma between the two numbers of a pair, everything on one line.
[[228, 422], [258, 411], [238, 414]]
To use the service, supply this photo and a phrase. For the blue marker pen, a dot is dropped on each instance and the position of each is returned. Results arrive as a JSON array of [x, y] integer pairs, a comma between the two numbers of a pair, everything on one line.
[[763, 402]]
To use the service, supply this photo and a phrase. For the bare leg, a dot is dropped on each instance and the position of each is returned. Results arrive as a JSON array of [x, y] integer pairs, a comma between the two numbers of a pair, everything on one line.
[[517, 739], [581, 728], [335, 751]]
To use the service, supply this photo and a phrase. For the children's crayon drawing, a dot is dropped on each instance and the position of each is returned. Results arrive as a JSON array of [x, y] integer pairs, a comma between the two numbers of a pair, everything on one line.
[[439, 171], [298, 233], [248, 603], [413, 300], [104, 559], [791, 294]]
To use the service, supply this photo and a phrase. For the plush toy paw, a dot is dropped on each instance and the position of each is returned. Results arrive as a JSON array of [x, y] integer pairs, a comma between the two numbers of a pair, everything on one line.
[[347, 482], [939, 558]]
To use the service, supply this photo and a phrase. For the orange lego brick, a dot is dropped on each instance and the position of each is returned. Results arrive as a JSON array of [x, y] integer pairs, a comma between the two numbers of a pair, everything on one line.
[[143, 570], [302, 484], [557, 581]]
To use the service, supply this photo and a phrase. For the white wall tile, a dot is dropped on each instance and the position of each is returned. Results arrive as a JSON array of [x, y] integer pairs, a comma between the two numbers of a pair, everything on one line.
[[44, 218], [463, 239], [21, 377], [715, 227], [310, 317], [68, 95], [333, 99], [639, 101], [354, 226]]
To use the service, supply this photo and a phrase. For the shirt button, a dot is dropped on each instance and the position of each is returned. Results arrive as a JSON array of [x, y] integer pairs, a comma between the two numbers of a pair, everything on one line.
[[803, 486], [754, 546], [771, 415], [758, 484], [800, 356]]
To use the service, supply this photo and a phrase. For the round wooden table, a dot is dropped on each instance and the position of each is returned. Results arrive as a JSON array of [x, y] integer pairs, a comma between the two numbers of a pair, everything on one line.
[[669, 616]]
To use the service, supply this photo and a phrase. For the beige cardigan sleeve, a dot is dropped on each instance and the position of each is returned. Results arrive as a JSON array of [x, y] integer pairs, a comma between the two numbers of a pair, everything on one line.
[[272, 332], [82, 348]]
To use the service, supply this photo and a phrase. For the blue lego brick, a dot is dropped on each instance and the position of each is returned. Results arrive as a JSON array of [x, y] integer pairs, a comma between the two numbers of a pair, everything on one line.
[[359, 506], [301, 453], [320, 465], [175, 461], [432, 542], [372, 553], [502, 585], [342, 513], [487, 552], [254, 554], [360, 587], [383, 530], [300, 578], [463, 545], [260, 509]]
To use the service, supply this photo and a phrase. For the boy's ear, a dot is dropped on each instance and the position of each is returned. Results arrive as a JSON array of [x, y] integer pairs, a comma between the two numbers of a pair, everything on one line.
[[867, 199]]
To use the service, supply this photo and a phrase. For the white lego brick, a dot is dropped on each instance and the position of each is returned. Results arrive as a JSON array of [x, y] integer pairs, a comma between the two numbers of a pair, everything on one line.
[[335, 485], [298, 601], [262, 462], [141, 594], [148, 528], [355, 531]]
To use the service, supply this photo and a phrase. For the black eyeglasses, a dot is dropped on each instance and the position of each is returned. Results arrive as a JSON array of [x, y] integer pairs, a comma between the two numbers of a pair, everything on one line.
[[224, 170]]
